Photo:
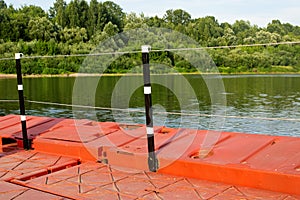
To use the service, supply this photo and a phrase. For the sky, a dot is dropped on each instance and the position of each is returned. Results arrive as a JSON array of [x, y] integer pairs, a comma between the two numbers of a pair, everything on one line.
[[259, 12]]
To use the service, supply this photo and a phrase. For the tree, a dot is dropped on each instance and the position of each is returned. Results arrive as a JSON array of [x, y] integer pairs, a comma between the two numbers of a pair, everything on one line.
[[74, 35], [78, 26], [77, 13], [267, 37], [110, 29], [155, 22], [204, 29], [33, 11], [177, 17], [133, 21], [5, 21], [229, 36], [114, 14], [58, 13], [296, 30], [288, 28], [241, 26], [102, 17], [41, 29], [72, 14], [83, 13], [107, 12], [93, 17], [19, 27], [2, 5], [18, 21], [249, 40], [276, 27]]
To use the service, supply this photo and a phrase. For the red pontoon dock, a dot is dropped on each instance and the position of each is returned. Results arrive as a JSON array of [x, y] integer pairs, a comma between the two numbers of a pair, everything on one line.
[[82, 159]]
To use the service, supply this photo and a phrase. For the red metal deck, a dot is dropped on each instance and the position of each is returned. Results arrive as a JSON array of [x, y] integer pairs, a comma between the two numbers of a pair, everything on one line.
[[66, 155]]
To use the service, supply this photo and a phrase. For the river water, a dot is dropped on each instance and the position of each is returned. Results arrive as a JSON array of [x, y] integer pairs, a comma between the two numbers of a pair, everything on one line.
[[262, 104]]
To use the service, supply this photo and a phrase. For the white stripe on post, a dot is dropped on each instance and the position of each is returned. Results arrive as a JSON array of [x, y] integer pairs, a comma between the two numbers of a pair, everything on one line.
[[150, 131], [18, 56], [147, 90], [146, 48], [20, 87], [23, 118]]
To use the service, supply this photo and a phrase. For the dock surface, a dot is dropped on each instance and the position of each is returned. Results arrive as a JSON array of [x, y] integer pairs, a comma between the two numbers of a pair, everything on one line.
[[82, 159]]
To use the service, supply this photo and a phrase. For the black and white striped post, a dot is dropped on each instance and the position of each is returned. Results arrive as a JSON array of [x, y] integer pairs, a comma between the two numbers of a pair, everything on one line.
[[26, 143], [152, 160]]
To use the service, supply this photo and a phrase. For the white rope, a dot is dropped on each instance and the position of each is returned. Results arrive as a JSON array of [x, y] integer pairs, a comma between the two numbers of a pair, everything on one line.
[[7, 59], [73, 55], [84, 55], [158, 50], [169, 113], [8, 100], [233, 46], [82, 106]]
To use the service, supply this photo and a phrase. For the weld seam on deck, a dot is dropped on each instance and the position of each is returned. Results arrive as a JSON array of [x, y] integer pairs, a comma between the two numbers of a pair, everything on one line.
[[19, 183], [265, 146]]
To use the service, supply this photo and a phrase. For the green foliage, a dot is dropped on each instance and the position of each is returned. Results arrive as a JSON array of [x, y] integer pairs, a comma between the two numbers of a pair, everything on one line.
[[177, 17], [79, 26], [41, 29], [58, 13]]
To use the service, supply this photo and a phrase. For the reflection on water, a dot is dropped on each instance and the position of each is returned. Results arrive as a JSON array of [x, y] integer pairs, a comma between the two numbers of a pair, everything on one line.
[[250, 100]]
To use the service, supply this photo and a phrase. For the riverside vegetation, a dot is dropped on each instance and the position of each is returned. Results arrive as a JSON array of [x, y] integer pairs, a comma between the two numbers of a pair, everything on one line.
[[78, 27]]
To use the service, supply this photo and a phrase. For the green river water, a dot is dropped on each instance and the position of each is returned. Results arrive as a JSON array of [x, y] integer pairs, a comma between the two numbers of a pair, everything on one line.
[[264, 104]]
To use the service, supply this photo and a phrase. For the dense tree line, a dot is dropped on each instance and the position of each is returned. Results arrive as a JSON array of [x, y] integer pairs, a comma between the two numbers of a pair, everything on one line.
[[77, 27]]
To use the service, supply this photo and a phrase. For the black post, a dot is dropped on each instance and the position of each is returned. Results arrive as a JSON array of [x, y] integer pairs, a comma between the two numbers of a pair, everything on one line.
[[152, 160], [26, 144]]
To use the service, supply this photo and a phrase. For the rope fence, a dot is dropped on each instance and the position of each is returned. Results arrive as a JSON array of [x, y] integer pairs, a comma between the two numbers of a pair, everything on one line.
[[156, 112], [153, 50], [145, 50]]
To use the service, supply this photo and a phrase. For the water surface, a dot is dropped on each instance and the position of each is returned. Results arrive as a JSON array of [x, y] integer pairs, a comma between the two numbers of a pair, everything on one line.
[[264, 104]]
